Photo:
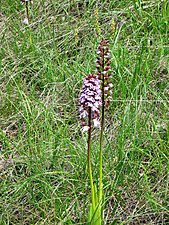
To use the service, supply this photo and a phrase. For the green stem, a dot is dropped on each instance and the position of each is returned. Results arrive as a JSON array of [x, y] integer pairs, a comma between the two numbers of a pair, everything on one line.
[[101, 138], [89, 161], [101, 150]]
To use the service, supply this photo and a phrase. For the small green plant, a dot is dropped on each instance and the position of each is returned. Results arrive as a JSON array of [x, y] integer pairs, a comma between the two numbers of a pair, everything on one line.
[[96, 94], [27, 19]]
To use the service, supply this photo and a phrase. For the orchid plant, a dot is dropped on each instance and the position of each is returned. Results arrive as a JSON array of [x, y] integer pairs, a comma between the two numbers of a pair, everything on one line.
[[95, 96]]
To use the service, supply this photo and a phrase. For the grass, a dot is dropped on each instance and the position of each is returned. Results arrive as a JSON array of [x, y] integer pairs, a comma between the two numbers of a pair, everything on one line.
[[43, 158]]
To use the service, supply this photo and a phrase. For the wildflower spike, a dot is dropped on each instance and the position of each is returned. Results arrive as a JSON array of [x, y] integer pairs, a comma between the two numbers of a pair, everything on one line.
[[90, 98], [103, 67]]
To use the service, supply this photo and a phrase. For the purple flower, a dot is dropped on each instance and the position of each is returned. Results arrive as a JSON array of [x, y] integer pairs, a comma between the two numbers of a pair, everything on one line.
[[90, 101]]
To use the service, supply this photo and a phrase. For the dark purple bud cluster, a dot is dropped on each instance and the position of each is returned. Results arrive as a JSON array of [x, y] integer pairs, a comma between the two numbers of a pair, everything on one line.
[[90, 101], [103, 69]]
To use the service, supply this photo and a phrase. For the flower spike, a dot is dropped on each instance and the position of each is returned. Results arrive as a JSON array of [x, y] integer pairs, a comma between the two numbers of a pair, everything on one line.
[[103, 67], [90, 99]]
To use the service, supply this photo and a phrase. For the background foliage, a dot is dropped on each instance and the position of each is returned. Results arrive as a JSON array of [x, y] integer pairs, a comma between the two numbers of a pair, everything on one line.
[[43, 154]]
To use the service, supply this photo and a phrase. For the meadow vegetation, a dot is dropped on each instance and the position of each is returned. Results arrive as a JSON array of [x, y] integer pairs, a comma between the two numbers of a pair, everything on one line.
[[43, 157]]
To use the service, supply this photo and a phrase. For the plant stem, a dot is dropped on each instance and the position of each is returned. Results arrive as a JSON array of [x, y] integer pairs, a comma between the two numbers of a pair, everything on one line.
[[89, 161], [28, 18], [100, 156], [101, 138]]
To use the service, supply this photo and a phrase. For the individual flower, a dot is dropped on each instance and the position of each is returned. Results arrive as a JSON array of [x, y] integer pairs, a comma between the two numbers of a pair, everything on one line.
[[103, 70], [25, 21], [90, 101]]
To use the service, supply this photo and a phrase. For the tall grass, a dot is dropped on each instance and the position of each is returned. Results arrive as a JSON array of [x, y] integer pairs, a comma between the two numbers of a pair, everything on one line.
[[43, 161]]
